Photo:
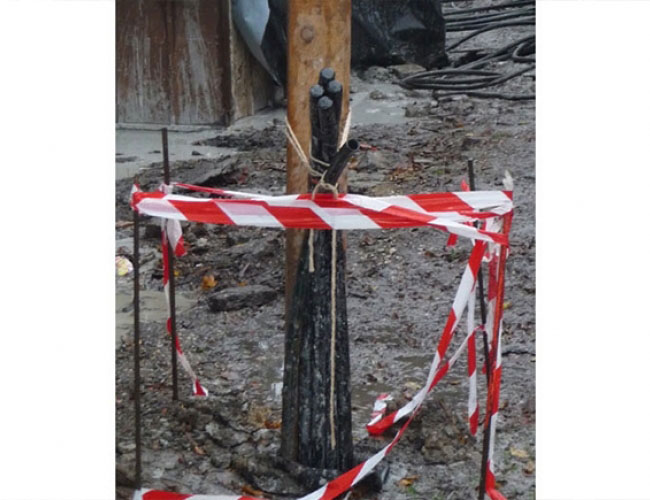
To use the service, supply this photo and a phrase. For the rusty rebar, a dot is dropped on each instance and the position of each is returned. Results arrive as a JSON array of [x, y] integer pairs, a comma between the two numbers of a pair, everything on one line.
[[172, 287], [136, 345], [481, 293]]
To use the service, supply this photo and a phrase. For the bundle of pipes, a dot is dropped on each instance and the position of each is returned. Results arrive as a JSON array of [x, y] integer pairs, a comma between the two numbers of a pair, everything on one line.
[[325, 115], [316, 419]]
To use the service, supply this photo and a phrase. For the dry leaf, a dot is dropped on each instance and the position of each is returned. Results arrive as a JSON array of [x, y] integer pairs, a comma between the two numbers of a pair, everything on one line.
[[177, 273], [272, 424], [407, 481], [121, 224], [198, 450], [529, 468], [516, 452], [507, 305], [249, 490], [242, 283], [208, 282], [123, 266]]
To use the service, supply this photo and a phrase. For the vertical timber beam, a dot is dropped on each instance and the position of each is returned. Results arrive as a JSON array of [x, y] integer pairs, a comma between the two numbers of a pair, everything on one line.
[[318, 36]]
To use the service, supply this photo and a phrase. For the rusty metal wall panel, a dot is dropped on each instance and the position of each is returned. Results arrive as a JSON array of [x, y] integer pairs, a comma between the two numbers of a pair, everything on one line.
[[173, 61], [252, 87]]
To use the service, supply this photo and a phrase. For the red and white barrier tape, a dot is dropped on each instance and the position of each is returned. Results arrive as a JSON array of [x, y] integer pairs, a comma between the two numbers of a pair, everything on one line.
[[497, 283], [445, 211], [460, 302], [472, 402], [147, 494], [437, 371], [171, 231]]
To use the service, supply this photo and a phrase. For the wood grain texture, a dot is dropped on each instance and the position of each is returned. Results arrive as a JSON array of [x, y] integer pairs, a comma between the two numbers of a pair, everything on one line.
[[173, 61], [318, 35]]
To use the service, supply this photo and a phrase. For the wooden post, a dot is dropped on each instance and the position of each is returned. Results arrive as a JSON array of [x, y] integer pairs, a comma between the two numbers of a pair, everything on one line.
[[318, 37]]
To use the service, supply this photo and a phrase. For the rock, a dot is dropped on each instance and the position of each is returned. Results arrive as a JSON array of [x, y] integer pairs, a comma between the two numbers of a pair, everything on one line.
[[125, 159], [376, 74], [377, 95], [152, 230], [220, 458], [124, 246], [124, 476], [404, 70], [225, 437], [214, 173], [125, 447], [196, 153], [254, 249], [240, 297]]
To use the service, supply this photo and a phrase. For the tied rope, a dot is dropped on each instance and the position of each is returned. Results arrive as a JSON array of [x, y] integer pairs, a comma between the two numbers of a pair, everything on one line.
[[333, 188]]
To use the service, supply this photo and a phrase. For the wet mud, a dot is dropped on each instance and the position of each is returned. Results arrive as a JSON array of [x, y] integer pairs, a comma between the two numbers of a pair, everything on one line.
[[400, 286]]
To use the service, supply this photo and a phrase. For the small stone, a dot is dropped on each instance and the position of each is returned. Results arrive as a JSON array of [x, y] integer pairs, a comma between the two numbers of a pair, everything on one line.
[[376, 74], [231, 299], [220, 458], [125, 447], [404, 70], [377, 95], [196, 153], [226, 438]]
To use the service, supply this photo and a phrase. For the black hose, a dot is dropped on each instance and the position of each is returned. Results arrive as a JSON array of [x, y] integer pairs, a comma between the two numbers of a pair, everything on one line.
[[480, 22], [524, 49], [491, 7], [522, 22], [470, 77]]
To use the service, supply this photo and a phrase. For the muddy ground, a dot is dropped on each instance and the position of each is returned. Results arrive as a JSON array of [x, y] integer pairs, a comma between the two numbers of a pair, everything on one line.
[[400, 286]]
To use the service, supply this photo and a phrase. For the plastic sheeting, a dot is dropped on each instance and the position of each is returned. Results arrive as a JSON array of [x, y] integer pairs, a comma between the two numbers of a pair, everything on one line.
[[384, 32]]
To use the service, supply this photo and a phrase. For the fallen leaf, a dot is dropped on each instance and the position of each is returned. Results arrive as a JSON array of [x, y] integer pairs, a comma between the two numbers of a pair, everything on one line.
[[208, 282], [516, 452], [121, 224], [272, 424], [242, 283], [177, 273], [198, 450], [123, 266], [506, 305], [407, 481], [249, 490], [529, 468]]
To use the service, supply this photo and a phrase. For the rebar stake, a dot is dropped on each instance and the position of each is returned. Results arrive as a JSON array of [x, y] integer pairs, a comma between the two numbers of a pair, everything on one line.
[[481, 293], [136, 344], [172, 288]]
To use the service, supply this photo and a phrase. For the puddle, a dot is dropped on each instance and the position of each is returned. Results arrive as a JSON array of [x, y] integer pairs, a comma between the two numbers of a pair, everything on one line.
[[152, 308]]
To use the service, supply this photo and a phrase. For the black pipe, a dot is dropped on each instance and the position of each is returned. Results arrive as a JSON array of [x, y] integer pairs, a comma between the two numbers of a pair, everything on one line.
[[315, 93], [325, 76], [340, 161], [328, 127], [335, 92]]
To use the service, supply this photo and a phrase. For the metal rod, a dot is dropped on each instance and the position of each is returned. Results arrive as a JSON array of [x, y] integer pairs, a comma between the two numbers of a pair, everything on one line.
[[498, 311], [136, 345], [172, 287], [481, 293]]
